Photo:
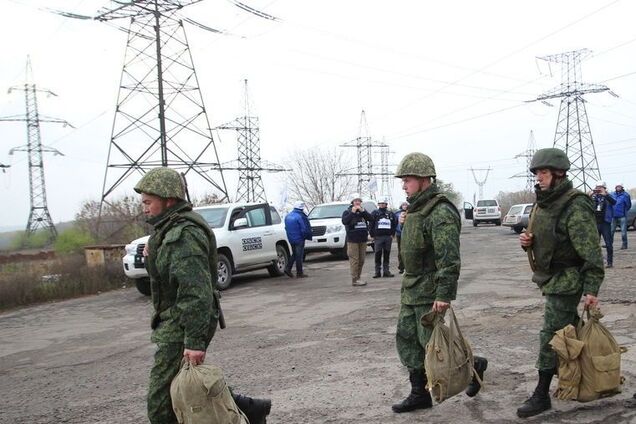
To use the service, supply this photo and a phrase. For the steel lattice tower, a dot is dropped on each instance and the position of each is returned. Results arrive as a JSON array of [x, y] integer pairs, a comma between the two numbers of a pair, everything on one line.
[[364, 145], [573, 133], [249, 164], [160, 118], [528, 154], [39, 216], [385, 186], [481, 183]]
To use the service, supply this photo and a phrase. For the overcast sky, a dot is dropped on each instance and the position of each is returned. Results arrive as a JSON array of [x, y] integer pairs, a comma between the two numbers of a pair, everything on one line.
[[450, 79]]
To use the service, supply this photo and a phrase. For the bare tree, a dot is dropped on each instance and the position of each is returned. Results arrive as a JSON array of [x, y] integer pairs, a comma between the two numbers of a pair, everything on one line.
[[121, 220], [314, 176], [507, 199]]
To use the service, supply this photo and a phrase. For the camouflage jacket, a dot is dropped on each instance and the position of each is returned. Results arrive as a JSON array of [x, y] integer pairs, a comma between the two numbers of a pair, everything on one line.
[[182, 267], [565, 242], [430, 249]]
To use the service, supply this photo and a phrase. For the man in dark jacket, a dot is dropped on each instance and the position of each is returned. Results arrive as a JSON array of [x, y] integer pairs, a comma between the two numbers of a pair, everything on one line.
[[181, 260], [604, 212], [356, 219], [382, 231], [622, 206], [298, 230]]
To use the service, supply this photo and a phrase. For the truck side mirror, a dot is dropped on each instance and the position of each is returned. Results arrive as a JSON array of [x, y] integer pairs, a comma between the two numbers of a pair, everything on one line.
[[240, 223]]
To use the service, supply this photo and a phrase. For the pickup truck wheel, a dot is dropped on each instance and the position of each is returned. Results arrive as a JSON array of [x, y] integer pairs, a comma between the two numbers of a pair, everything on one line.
[[278, 267], [518, 230], [498, 223], [224, 270], [474, 223], [143, 286]]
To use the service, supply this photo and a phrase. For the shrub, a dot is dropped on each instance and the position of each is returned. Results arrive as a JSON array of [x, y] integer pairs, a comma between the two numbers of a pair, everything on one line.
[[72, 240], [25, 283]]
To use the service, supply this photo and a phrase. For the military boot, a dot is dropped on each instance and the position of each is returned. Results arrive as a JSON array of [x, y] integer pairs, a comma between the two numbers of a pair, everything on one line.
[[480, 366], [256, 410], [419, 398], [540, 399]]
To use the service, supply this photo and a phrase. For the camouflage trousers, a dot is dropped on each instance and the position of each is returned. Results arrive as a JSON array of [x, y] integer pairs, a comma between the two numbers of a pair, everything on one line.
[[167, 364], [559, 311], [411, 336]]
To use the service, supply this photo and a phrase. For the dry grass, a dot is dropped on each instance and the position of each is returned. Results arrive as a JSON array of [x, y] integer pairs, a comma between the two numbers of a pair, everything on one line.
[[31, 282]]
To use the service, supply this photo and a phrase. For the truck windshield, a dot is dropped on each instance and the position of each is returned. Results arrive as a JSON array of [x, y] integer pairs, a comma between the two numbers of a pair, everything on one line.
[[327, 211], [215, 217]]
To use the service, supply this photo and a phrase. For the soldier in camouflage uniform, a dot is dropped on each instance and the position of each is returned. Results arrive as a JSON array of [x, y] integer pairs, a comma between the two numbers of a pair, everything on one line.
[[182, 264], [565, 256], [430, 252]]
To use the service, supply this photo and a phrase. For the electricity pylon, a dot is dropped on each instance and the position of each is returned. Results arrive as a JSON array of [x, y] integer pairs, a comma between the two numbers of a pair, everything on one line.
[[39, 216], [480, 183], [385, 186], [528, 154], [249, 164], [364, 145], [160, 118], [573, 133]]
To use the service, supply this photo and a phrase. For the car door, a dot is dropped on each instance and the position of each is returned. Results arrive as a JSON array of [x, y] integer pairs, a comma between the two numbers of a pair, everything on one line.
[[253, 235]]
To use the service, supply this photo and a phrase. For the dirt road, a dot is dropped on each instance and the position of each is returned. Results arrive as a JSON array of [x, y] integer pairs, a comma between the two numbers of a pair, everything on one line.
[[321, 349]]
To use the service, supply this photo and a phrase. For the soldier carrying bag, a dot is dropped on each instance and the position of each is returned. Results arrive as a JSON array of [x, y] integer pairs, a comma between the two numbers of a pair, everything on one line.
[[449, 359], [200, 395]]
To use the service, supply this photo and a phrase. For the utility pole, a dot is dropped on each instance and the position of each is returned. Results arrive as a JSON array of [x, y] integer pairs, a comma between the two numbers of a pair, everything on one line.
[[573, 134], [386, 186], [249, 163], [39, 216], [364, 146], [480, 183], [527, 154], [160, 118]]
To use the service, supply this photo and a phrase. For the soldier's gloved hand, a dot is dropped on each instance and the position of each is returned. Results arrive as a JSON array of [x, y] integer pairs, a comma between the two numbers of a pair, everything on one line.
[[440, 307], [195, 357], [590, 301]]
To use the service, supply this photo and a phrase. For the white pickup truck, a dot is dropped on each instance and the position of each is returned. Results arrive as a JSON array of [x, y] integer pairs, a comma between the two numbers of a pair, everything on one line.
[[249, 236]]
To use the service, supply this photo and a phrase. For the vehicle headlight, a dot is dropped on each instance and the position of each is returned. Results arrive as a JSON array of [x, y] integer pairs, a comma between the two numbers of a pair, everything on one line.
[[334, 228]]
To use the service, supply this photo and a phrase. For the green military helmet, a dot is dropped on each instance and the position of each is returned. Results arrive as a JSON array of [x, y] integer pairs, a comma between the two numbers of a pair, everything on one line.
[[416, 164], [550, 158], [162, 182]]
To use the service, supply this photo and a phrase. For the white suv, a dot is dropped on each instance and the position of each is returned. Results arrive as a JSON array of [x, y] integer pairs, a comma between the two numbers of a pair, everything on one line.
[[327, 230], [487, 211], [249, 236]]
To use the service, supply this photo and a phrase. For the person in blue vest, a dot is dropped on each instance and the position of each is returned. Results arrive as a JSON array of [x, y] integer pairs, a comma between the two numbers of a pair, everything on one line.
[[298, 230], [622, 206], [604, 212], [382, 230]]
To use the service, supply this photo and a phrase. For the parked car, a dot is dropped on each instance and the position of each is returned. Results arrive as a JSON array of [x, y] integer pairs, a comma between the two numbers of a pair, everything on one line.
[[328, 232], [486, 211], [249, 236], [631, 217], [517, 217]]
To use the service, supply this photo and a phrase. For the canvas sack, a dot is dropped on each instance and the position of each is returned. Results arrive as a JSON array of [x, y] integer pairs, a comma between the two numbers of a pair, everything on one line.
[[568, 348], [449, 359], [200, 395], [600, 359]]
